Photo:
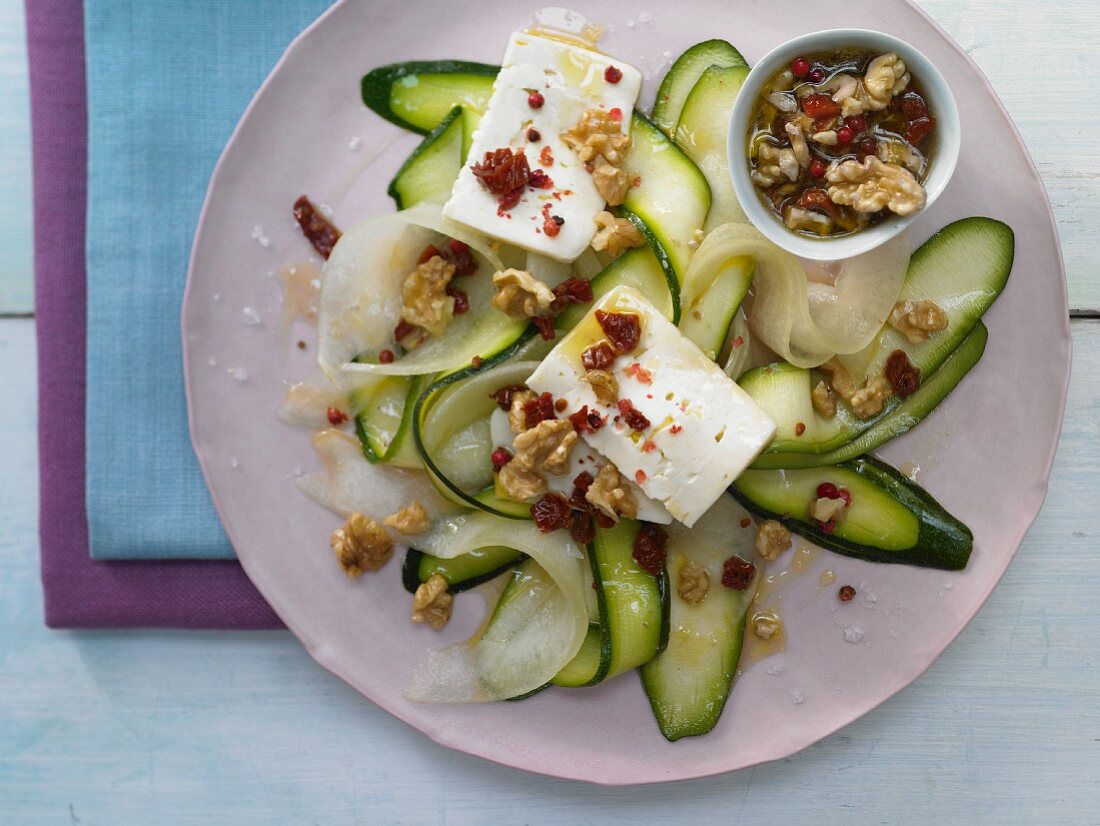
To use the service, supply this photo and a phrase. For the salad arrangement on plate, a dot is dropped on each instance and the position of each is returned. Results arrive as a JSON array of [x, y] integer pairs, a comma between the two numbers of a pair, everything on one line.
[[569, 366]]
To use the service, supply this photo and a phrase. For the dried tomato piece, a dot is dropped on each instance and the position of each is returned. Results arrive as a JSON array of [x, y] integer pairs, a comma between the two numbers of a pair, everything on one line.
[[581, 527], [504, 172], [634, 419], [918, 120], [545, 327], [586, 421], [428, 253], [623, 330], [902, 375], [503, 396], [599, 356], [403, 330], [538, 410], [336, 416], [539, 179], [571, 291], [820, 106], [462, 301], [737, 573], [462, 258], [551, 513], [651, 547], [318, 230], [546, 156], [818, 200]]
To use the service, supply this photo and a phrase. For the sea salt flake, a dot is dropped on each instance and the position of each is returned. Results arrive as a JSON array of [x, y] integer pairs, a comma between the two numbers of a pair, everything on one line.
[[213, 362], [853, 634], [234, 462], [259, 237], [239, 374], [251, 317], [797, 697]]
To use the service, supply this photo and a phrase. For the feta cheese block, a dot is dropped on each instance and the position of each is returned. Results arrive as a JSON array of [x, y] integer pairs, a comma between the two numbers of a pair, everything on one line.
[[703, 430], [583, 458], [571, 80]]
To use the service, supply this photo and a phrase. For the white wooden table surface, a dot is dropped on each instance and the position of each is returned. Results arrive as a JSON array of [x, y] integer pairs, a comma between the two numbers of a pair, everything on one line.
[[165, 727]]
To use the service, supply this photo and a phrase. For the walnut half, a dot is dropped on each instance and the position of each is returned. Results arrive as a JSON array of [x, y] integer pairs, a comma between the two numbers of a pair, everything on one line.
[[361, 545], [614, 235], [609, 493], [693, 583], [546, 447], [520, 295], [424, 298], [410, 520], [432, 604], [873, 185], [916, 319]]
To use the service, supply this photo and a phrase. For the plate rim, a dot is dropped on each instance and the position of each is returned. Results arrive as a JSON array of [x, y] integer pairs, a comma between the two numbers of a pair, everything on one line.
[[434, 732]]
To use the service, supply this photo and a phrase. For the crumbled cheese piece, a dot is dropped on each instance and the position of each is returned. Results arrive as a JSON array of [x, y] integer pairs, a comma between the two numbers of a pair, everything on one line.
[[825, 509]]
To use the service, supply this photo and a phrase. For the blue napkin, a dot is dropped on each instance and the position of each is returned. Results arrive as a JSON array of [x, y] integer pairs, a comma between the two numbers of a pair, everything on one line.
[[167, 82]]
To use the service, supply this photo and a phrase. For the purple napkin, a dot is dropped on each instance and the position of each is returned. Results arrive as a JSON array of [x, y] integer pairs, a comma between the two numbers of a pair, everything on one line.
[[81, 593]]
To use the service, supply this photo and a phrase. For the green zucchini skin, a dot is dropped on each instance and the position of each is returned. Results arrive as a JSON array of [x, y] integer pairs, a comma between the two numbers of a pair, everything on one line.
[[901, 419], [942, 541], [589, 666], [433, 166], [376, 86], [682, 76], [461, 573]]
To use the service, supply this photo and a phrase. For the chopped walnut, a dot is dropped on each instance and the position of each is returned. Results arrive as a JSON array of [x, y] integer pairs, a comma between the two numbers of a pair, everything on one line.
[[520, 295], [772, 539], [431, 603], [916, 319], [900, 152], [546, 447], [767, 172], [828, 510], [885, 77], [604, 385], [873, 185], [615, 234], [609, 493], [361, 545], [424, 298], [826, 137], [410, 520], [598, 134], [519, 483], [517, 416], [693, 584], [788, 164], [798, 143], [611, 182], [797, 218], [822, 398], [839, 378], [766, 625], [869, 399]]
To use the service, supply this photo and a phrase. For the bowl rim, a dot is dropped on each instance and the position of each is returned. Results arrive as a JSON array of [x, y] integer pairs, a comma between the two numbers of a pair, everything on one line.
[[942, 101]]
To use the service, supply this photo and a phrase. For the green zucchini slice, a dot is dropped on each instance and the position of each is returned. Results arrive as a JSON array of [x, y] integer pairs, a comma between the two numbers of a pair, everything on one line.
[[429, 173], [638, 268], [419, 94], [891, 519], [383, 421], [682, 76], [462, 572]]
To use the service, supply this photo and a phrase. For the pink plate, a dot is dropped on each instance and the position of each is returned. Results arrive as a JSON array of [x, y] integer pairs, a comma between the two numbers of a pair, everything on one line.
[[986, 454]]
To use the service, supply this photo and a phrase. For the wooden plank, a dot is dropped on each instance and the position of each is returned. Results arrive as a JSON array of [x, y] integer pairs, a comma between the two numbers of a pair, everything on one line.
[[114, 727], [1039, 69]]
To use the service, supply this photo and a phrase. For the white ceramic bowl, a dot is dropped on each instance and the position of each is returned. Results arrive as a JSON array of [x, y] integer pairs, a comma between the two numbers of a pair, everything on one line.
[[941, 102]]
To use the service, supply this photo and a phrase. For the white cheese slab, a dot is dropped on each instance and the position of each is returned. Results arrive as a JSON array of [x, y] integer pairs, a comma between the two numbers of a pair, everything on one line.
[[571, 80], [704, 429]]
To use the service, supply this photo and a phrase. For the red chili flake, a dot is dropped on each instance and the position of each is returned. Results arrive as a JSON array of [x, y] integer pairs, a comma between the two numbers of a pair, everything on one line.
[[503, 396], [640, 476], [336, 416], [560, 405], [615, 114], [902, 375], [318, 230], [571, 291], [599, 356], [539, 179], [745, 522], [820, 106], [624, 330], [651, 547], [500, 457], [737, 342], [587, 421], [846, 593], [612, 74], [504, 173], [737, 573], [546, 156], [635, 370], [545, 327], [385, 357], [534, 135], [634, 419], [551, 512], [538, 410], [648, 446], [827, 527], [475, 362], [582, 483], [551, 224], [535, 100], [675, 429], [818, 200], [799, 428]]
